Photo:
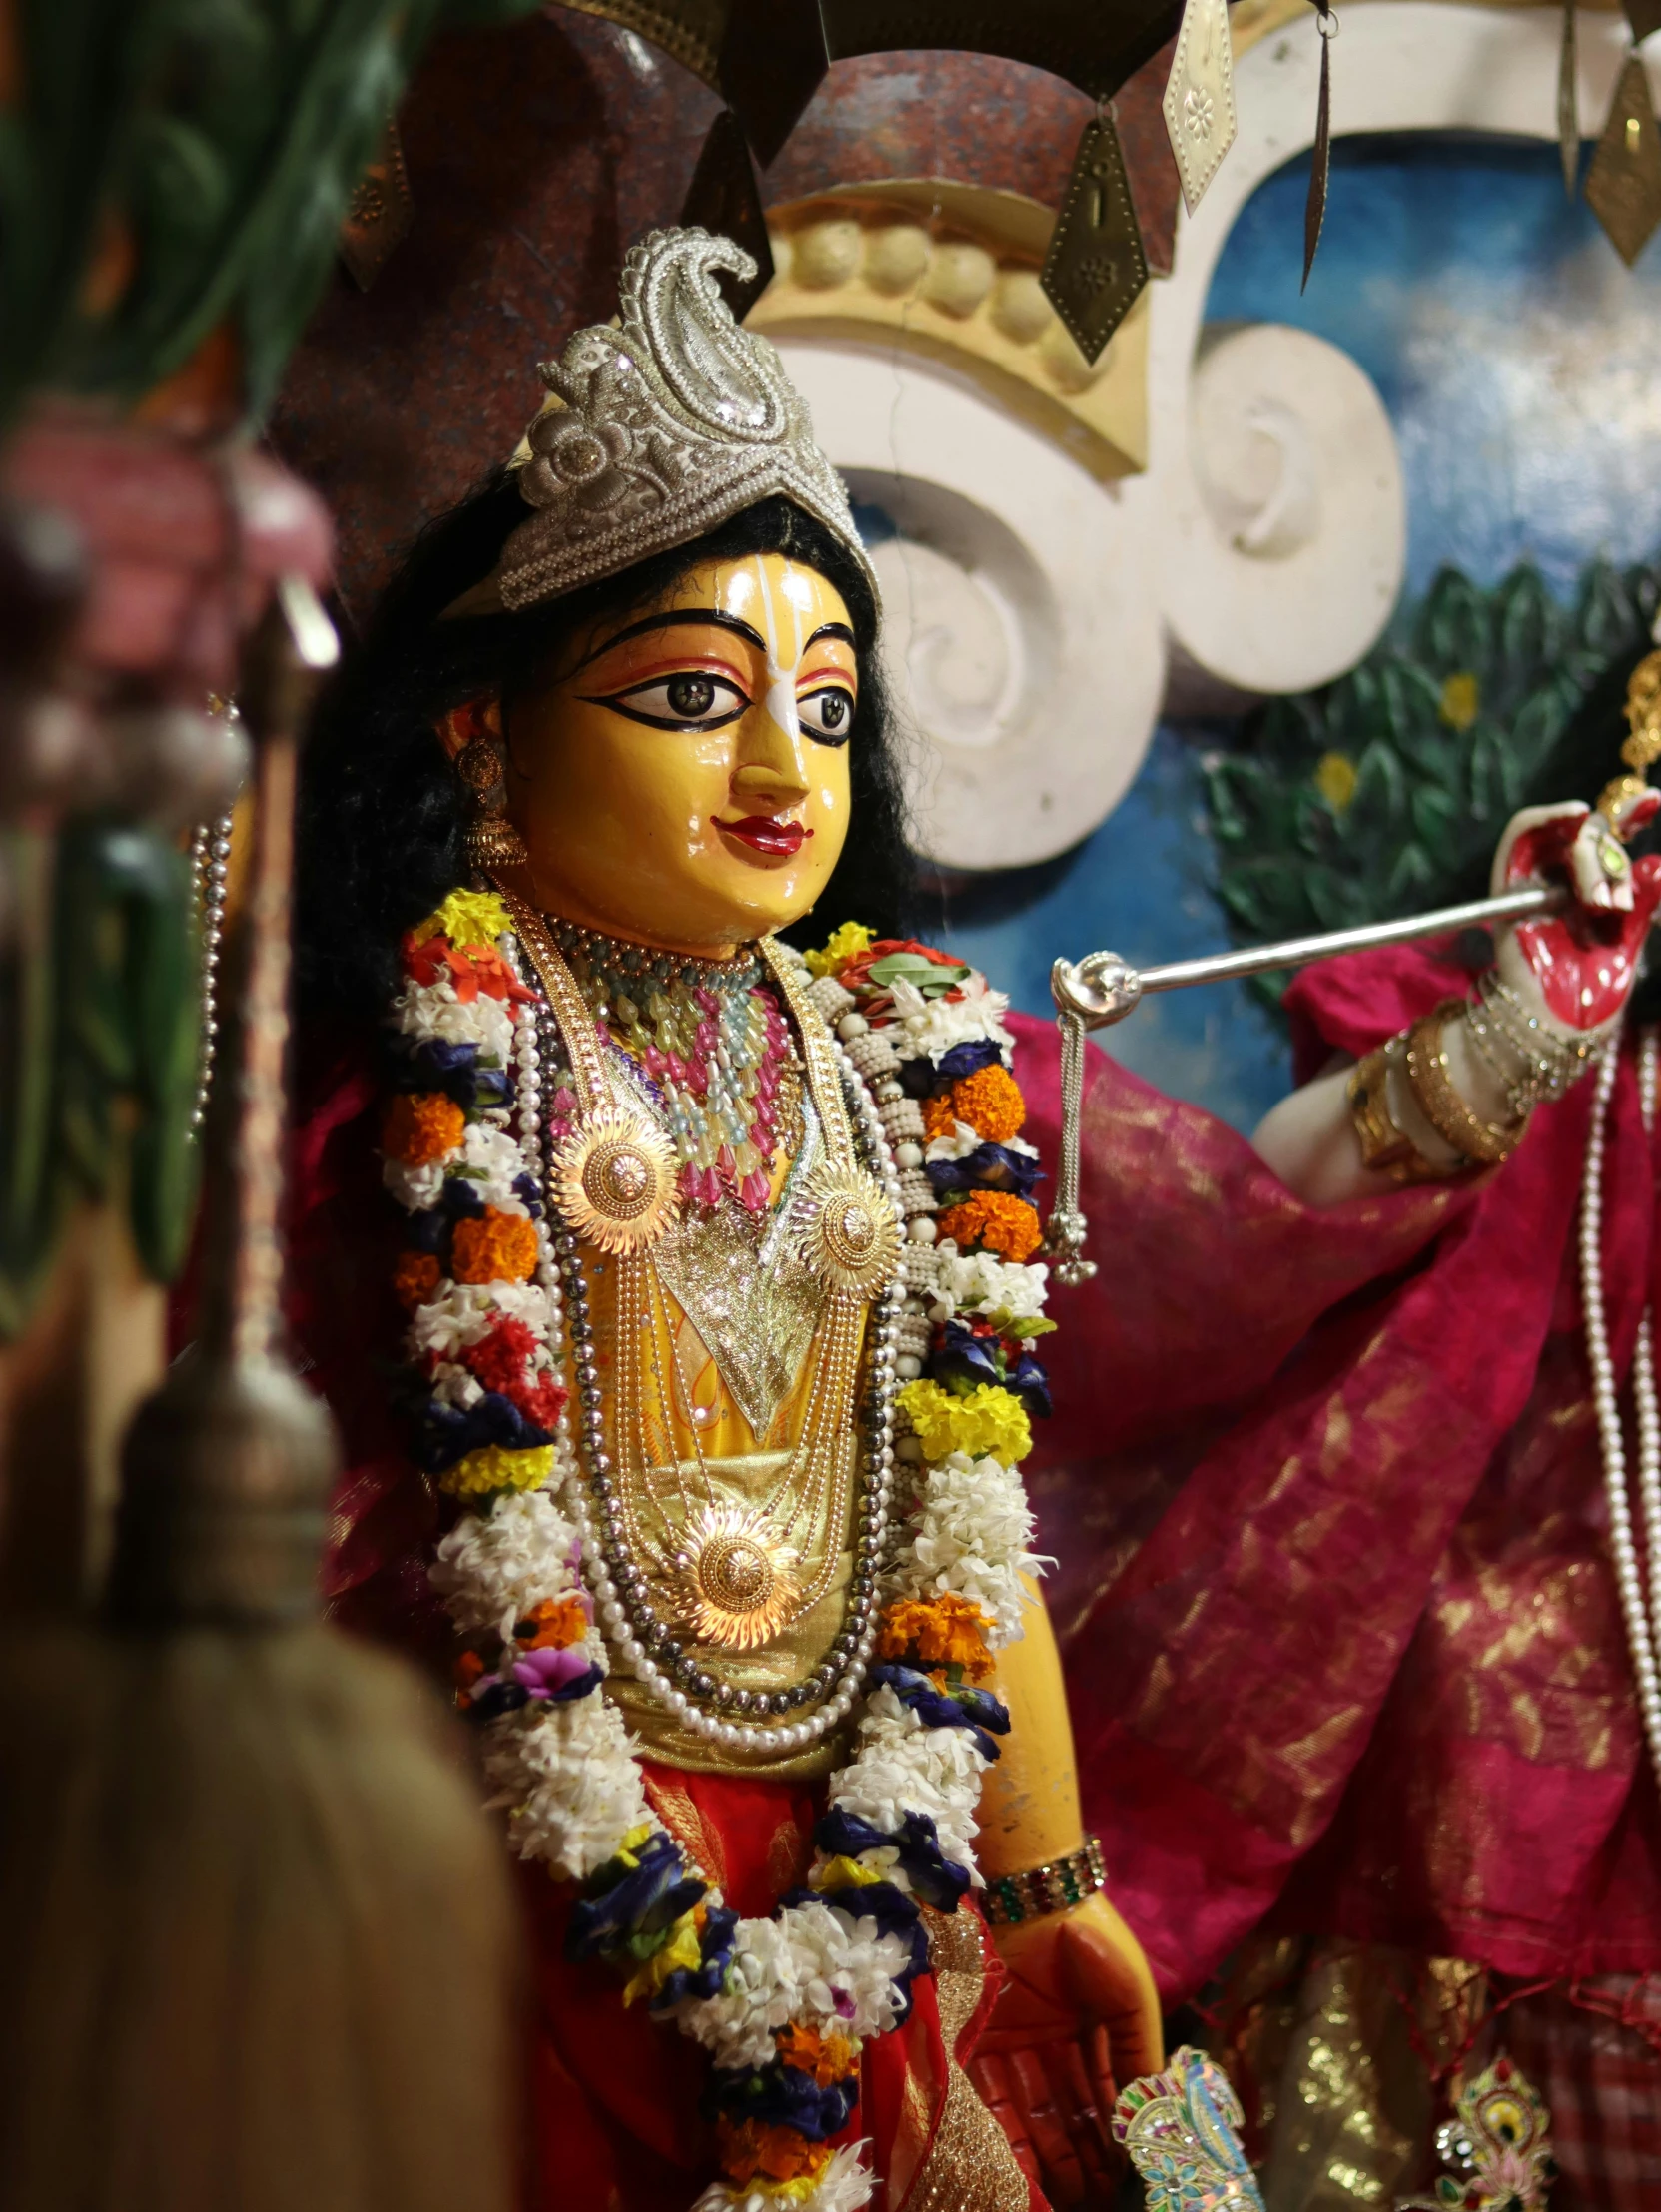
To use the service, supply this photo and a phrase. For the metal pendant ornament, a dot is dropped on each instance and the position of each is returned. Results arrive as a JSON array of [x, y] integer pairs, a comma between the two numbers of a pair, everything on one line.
[[850, 1233], [1096, 268], [1321, 162], [736, 1580], [489, 839], [1198, 99], [614, 1181], [1568, 102]]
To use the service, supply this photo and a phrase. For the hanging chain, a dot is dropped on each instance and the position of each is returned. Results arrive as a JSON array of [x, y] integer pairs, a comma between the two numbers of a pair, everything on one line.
[[1065, 1241]]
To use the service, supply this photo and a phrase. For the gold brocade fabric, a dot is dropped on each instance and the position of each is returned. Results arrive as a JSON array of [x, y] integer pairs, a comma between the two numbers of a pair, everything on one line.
[[779, 1665], [966, 2165], [742, 1311]]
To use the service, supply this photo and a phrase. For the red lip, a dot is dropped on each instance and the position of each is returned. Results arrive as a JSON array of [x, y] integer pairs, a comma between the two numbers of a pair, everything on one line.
[[765, 835]]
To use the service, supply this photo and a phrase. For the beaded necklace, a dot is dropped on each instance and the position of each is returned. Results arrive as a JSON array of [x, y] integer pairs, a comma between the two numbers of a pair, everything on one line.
[[713, 1039]]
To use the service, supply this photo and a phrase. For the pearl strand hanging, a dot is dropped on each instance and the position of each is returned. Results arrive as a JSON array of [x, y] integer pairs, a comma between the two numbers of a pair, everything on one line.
[[618, 1605], [1643, 1618], [210, 878]]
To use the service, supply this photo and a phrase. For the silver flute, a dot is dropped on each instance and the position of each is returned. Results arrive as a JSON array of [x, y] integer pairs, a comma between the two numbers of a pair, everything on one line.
[[1102, 989]]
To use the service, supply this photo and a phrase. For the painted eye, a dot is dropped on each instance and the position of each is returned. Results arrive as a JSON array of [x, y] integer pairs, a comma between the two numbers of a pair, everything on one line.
[[687, 700], [828, 715]]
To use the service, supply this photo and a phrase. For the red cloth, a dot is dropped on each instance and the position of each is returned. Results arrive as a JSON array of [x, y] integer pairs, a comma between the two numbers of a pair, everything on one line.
[[1343, 1637]]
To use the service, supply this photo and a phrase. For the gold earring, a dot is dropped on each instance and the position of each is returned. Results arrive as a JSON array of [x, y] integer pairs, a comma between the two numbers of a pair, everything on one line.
[[490, 840]]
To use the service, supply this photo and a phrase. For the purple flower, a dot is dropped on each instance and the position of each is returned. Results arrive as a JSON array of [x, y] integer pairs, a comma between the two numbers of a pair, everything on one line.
[[546, 1672]]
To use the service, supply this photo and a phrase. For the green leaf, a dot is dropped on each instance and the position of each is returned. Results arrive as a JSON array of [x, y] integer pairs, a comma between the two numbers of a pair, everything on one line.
[[925, 976]]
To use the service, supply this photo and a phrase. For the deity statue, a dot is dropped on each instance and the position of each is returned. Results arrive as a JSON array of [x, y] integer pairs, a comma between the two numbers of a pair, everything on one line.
[[718, 1284], [1369, 1506]]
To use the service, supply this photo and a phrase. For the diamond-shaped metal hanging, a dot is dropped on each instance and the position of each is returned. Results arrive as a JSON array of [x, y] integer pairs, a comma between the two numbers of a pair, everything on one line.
[[1200, 96], [1096, 267], [1623, 184]]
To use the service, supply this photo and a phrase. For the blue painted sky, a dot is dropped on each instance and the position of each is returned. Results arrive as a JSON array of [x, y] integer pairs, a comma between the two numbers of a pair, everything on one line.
[[1521, 365]]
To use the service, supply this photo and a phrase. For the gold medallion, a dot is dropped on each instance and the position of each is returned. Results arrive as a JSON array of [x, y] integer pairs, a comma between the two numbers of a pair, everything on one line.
[[614, 1181], [850, 1233], [736, 1582]]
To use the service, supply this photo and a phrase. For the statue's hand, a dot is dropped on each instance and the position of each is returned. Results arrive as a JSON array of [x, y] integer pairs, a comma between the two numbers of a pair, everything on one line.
[[1079, 2018], [1576, 970]]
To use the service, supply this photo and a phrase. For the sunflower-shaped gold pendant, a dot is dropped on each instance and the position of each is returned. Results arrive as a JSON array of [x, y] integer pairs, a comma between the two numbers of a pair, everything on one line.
[[735, 1581], [614, 1181], [849, 1231]]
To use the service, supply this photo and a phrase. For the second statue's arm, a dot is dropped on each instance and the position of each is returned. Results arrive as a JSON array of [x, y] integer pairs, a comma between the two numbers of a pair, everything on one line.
[[1080, 2016]]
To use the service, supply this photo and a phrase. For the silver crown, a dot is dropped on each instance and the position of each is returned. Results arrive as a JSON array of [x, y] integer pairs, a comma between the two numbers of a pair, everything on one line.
[[659, 428]]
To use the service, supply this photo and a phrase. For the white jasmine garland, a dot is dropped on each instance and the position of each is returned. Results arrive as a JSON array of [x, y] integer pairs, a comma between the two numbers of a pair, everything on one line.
[[978, 1283], [493, 1566], [433, 1013], [567, 1777], [567, 1774], [934, 1026], [460, 1313], [973, 1528]]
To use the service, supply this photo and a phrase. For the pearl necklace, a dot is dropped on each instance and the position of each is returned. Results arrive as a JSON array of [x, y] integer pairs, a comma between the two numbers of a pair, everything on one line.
[[1642, 1614], [700, 1700]]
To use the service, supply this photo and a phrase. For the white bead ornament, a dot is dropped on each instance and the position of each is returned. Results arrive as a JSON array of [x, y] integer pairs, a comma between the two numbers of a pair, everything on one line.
[[1641, 1610]]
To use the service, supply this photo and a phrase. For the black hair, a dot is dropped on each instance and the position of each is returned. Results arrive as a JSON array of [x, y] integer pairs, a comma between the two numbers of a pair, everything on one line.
[[382, 809]]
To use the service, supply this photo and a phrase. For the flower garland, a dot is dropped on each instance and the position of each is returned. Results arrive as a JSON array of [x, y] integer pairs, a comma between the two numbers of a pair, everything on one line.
[[784, 2004]]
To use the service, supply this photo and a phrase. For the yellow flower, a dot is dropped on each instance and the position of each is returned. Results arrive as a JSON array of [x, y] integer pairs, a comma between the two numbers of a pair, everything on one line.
[[843, 1872], [466, 918], [683, 1948], [1461, 700], [987, 1423], [1335, 777], [852, 937], [495, 1467]]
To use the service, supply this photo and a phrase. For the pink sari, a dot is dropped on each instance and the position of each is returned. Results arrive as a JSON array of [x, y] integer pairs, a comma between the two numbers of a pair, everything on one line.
[[1344, 1642]]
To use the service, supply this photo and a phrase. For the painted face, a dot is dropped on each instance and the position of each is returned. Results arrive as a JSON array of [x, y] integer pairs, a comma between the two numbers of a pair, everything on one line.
[[682, 777]]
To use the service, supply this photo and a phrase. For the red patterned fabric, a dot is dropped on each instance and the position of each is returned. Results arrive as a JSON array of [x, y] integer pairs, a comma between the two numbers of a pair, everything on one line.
[[1594, 2054], [1343, 1637]]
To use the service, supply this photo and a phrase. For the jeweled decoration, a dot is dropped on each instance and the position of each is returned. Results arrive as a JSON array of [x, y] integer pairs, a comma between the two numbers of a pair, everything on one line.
[[850, 1233], [736, 1580], [615, 1180], [1498, 2147], [1180, 2129]]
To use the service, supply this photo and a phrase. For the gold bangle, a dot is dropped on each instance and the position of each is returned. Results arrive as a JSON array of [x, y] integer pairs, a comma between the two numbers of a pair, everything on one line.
[[1385, 1149], [1013, 1898], [1478, 1142]]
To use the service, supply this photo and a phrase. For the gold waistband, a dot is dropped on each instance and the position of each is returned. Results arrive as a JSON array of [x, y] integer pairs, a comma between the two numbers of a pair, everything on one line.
[[789, 1658]]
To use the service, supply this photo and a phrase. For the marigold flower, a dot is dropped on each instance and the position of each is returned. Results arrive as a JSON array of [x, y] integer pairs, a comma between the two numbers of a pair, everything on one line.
[[415, 1278], [987, 1422], [760, 2151], [555, 1624], [993, 1221], [493, 1247], [944, 1630], [841, 946], [990, 1101], [823, 2057], [466, 918], [495, 1467], [421, 1127]]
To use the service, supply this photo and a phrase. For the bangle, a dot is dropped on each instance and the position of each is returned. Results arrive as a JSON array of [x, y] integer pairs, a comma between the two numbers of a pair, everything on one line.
[[1013, 1898], [1385, 1149], [1477, 1143]]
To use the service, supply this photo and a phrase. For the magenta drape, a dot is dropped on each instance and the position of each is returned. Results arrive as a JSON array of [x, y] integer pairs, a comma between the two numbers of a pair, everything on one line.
[[1343, 1637]]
